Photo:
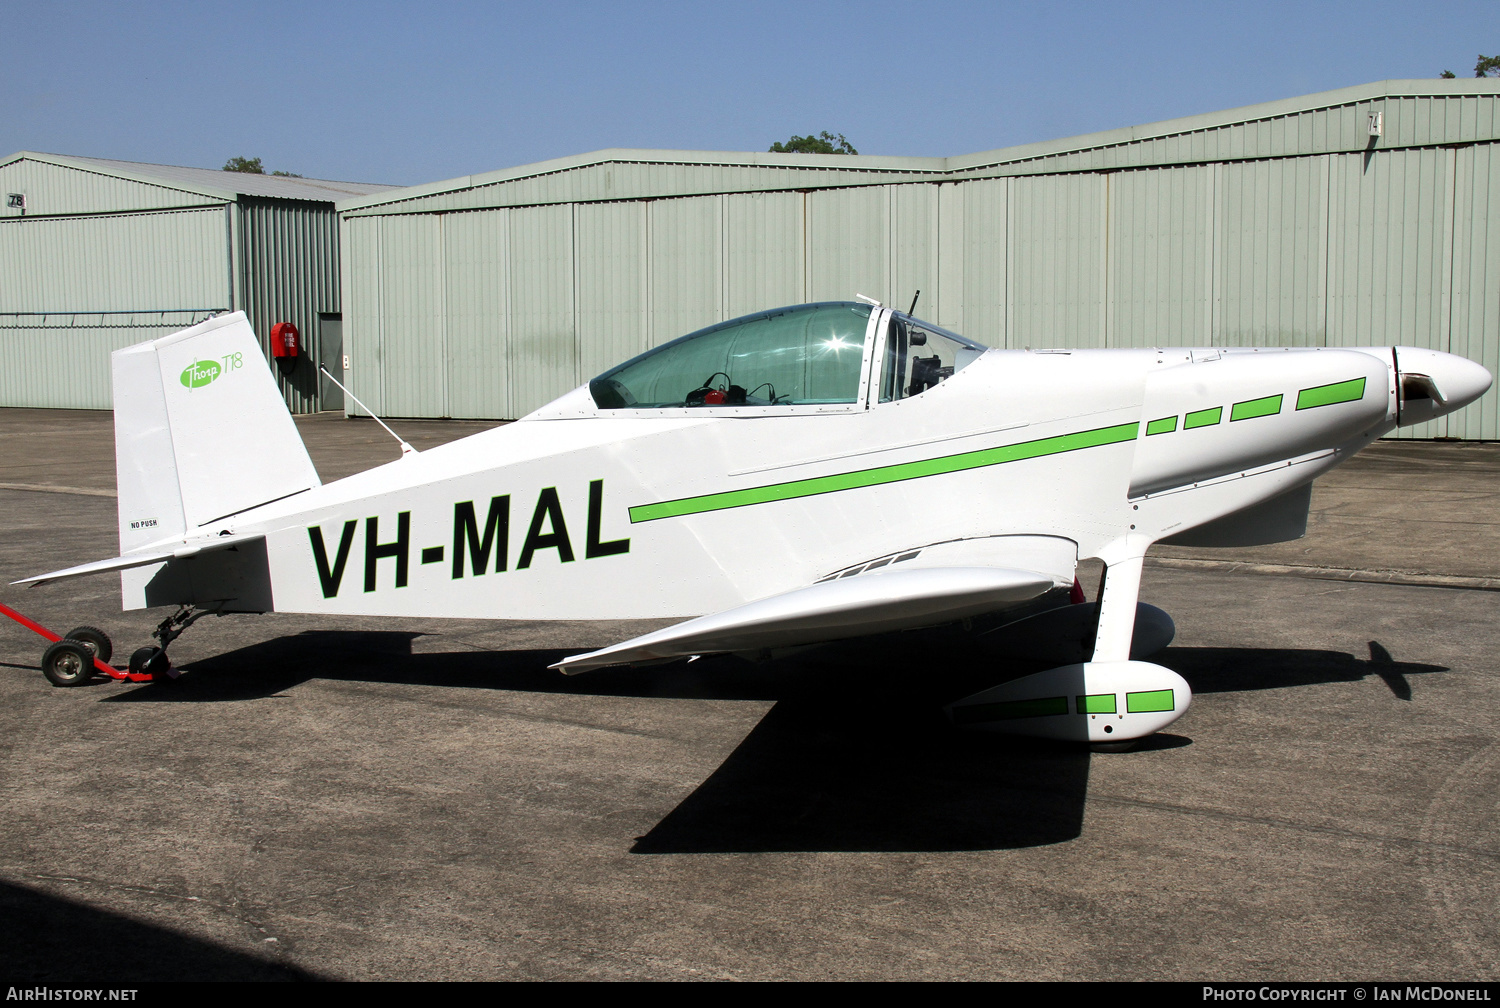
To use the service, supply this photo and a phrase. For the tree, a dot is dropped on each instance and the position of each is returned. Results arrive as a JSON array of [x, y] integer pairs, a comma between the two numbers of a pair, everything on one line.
[[824, 143], [250, 166], [1487, 66]]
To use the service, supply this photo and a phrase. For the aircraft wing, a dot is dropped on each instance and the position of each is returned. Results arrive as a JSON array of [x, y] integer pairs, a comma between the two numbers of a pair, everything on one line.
[[829, 610], [141, 558]]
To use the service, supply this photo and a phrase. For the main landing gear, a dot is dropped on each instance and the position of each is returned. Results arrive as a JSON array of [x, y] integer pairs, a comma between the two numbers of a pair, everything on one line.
[[1108, 700]]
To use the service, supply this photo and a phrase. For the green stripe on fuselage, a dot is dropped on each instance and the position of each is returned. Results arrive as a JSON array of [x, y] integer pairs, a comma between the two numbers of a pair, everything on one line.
[[1327, 395], [886, 474], [1251, 408], [1165, 425], [1203, 418]]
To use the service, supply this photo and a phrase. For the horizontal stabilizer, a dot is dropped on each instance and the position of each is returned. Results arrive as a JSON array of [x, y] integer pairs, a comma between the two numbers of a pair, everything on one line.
[[830, 610], [140, 559]]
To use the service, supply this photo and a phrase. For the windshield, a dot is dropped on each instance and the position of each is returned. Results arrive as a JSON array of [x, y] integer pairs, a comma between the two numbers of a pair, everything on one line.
[[919, 355], [806, 354]]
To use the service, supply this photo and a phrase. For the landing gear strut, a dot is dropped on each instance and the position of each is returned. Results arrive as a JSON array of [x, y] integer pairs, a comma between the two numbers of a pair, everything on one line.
[[153, 661], [1109, 701]]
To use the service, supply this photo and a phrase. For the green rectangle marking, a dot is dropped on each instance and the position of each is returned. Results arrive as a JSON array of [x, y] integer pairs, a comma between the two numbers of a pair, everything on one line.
[[1251, 408], [1148, 701], [886, 474], [1326, 395], [1010, 710], [1097, 703], [1203, 418], [1165, 425]]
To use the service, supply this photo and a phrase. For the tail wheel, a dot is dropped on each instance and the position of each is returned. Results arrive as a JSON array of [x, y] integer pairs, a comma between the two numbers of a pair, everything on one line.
[[95, 638], [153, 661], [68, 663]]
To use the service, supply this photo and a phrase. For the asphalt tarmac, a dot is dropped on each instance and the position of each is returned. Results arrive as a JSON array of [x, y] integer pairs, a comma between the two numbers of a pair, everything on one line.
[[348, 799]]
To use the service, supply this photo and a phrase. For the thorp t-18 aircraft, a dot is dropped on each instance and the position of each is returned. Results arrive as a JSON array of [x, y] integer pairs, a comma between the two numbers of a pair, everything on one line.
[[799, 475]]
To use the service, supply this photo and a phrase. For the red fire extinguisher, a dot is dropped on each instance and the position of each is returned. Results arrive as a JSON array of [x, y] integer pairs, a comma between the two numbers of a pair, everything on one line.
[[284, 340]]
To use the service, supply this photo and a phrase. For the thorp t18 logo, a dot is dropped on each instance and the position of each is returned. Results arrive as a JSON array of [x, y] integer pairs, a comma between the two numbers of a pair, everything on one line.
[[200, 373]]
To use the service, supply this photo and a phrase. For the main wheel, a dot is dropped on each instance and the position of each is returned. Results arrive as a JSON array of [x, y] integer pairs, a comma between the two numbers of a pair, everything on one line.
[[68, 663], [103, 647], [152, 660]]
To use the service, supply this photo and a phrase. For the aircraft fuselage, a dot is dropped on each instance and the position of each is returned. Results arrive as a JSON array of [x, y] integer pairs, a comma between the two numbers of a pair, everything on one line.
[[578, 512]]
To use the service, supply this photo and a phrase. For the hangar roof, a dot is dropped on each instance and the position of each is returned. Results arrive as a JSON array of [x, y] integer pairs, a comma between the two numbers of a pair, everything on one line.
[[1308, 124], [208, 181]]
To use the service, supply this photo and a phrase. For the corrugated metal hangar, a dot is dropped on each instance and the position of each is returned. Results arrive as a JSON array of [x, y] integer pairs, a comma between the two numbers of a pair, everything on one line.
[[1367, 215], [97, 255]]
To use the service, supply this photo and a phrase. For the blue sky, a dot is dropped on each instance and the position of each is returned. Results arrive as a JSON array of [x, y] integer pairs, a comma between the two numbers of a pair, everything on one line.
[[407, 93]]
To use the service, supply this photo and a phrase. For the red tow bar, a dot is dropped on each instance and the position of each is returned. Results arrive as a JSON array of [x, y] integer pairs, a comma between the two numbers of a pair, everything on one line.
[[36, 627]]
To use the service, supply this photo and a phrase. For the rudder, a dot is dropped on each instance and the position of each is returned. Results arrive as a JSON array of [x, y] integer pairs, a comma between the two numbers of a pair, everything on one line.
[[201, 433]]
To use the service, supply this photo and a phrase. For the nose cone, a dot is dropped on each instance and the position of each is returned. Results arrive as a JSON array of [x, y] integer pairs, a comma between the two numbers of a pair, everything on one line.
[[1434, 383]]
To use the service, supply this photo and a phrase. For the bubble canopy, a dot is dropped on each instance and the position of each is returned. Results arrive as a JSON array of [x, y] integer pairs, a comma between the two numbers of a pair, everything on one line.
[[804, 355], [807, 354]]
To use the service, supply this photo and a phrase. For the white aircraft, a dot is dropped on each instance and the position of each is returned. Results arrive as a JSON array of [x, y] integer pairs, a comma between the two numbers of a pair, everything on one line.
[[799, 475]]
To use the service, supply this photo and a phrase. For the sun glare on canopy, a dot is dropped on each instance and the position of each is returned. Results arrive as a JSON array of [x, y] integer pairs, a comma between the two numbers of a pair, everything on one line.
[[805, 354]]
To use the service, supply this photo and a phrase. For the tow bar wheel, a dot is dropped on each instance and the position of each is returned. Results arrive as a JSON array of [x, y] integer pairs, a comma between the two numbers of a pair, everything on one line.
[[68, 663], [95, 638]]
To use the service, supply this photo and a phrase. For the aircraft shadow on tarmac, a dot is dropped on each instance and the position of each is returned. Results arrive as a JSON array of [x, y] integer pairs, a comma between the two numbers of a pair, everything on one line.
[[66, 943], [1233, 670], [856, 754]]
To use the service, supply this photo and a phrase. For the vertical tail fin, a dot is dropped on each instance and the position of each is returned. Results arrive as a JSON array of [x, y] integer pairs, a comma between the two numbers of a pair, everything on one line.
[[201, 432]]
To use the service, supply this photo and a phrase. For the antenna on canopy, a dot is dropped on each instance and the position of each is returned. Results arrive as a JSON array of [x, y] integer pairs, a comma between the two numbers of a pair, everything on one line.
[[868, 300], [406, 449], [913, 309]]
